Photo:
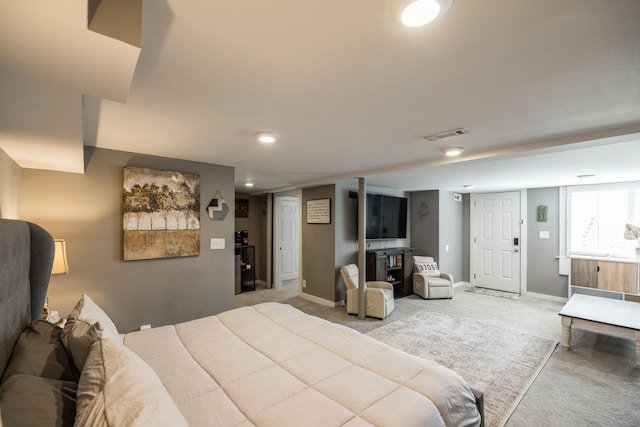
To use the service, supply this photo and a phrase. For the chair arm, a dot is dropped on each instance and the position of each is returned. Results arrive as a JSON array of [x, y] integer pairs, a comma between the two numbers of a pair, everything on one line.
[[447, 276], [379, 285], [374, 298], [421, 278]]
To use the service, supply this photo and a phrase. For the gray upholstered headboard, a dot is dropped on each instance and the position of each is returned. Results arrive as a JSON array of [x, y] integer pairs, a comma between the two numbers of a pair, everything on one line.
[[26, 257]]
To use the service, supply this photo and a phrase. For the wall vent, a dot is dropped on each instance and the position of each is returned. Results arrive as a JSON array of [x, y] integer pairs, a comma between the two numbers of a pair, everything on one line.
[[446, 134]]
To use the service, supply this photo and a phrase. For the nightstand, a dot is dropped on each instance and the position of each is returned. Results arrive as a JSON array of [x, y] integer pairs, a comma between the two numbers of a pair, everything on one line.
[[54, 317]]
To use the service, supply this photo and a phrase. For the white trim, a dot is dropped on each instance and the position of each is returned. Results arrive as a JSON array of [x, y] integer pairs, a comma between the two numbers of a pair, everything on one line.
[[472, 233], [546, 297], [320, 301], [460, 284], [524, 253]]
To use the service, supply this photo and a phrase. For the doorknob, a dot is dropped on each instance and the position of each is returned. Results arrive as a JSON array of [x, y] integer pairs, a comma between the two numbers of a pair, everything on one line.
[[516, 250]]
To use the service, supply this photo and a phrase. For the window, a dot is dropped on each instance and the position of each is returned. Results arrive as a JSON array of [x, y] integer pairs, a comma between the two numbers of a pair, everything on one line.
[[597, 215]]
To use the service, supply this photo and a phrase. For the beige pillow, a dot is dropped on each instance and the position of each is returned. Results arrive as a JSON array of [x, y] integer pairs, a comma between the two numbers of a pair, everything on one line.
[[86, 309], [117, 388], [428, 268]]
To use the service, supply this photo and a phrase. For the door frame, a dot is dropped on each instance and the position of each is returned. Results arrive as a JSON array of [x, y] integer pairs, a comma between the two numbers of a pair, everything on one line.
[[523, 237], [277, 277]]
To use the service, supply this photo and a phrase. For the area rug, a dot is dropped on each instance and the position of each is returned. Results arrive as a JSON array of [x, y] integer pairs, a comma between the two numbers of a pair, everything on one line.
[[500, 362], [493, 293]]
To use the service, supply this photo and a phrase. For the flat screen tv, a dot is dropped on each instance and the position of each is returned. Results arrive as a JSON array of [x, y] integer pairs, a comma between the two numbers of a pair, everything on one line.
[[386, 217]]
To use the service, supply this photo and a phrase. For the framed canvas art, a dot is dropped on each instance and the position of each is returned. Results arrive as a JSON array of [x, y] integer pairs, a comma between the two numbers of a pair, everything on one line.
[[161, 214]]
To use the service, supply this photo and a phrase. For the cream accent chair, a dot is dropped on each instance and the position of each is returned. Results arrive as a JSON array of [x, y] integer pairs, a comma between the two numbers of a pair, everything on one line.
[[431, 283], [378, 295]]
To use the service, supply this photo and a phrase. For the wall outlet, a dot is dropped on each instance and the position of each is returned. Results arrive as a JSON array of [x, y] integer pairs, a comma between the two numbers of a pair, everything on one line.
[[143, 327], [217, 243], [304, 283]]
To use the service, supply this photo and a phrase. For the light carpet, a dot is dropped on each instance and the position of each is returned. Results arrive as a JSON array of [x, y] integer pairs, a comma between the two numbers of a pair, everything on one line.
[[500, 362], [493, 293]]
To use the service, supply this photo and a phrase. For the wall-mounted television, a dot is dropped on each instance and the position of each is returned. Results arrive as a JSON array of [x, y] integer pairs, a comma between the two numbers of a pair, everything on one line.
[[386, 216]]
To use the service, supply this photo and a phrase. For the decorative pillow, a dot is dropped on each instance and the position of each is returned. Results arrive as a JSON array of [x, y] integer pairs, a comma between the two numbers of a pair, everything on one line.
[[428, 268], [77, 337], [39, 352], [28, 401], [117, 388], [89, 311]]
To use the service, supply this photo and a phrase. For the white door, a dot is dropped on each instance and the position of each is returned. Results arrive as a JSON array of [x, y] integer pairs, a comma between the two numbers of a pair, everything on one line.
[[498, 241], [289, 239]]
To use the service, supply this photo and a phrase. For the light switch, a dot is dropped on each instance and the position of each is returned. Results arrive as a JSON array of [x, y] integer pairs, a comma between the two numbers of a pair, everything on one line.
[[217, 243], [544, 234]]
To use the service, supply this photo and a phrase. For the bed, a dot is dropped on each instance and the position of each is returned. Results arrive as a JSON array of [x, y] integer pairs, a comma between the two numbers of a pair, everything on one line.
[[268, 364]]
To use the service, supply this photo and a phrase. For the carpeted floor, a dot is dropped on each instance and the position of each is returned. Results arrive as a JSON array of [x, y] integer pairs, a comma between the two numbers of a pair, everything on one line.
[[500, 362]]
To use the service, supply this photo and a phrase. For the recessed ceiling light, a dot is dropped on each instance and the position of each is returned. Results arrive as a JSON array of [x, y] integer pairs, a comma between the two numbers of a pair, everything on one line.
[[416, 13], [267, 137], [453, 151], [248, 184]]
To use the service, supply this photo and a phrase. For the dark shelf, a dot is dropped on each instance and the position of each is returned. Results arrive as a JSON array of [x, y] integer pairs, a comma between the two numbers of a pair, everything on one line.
[[393, 265], [245, 277]]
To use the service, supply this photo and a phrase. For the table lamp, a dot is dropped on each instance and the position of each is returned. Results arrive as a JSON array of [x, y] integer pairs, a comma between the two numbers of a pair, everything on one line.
[[60, 266]]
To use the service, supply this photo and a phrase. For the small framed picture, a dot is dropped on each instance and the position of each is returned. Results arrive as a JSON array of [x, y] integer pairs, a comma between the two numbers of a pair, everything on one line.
[[242, 208], [319, 211]]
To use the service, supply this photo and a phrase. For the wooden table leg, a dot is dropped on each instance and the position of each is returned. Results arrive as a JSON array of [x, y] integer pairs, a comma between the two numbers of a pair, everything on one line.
[[566, 332]]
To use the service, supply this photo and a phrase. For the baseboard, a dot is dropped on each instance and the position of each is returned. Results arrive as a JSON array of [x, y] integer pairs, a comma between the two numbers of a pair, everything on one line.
[[460, 284], [319, 300], [546, 297]]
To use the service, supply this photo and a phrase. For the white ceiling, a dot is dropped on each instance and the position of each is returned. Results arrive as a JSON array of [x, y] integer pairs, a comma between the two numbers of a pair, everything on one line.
[[548, 89]]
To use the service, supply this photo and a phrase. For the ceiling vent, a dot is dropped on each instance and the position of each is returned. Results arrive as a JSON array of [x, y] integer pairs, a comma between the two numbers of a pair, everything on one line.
[[446, 134]]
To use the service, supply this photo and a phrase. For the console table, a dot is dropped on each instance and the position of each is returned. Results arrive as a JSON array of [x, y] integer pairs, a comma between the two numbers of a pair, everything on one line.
[[602, 315]]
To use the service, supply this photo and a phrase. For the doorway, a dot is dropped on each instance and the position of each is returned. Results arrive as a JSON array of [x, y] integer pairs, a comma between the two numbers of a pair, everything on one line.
[[497, 244], [287, 240]]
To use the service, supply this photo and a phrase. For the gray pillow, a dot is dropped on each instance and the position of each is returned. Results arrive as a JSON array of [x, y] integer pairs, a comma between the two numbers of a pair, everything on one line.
[[77, 337], [33, 401], [39, 352]]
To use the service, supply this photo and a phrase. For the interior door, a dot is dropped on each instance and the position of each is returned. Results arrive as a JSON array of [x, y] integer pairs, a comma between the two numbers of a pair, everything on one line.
[[497, 241], [289, 239]]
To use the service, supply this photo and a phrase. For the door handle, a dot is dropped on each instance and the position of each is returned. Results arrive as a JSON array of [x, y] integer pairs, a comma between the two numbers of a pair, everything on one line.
[[516, 250]]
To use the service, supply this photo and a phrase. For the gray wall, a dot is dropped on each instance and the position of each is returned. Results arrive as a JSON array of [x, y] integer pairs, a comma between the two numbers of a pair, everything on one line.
[[10, 182], [318, 247], [440, 233], [346, 249], [542, 270], [451, 244], [466, 233], [425, 230], [85, 210]]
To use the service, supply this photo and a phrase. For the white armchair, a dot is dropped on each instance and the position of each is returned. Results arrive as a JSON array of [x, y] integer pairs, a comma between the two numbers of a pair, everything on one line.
[[428, 281], [378, 295]]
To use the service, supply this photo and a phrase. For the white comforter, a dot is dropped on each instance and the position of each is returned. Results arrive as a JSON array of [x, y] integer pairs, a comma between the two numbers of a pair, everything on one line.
[[273, 365]]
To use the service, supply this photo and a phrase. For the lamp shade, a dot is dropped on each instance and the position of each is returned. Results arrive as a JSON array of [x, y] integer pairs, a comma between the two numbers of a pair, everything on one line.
[[60, 265]]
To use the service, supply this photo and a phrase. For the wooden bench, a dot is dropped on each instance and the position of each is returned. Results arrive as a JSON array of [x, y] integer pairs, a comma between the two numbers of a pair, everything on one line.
[[602, 315]]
